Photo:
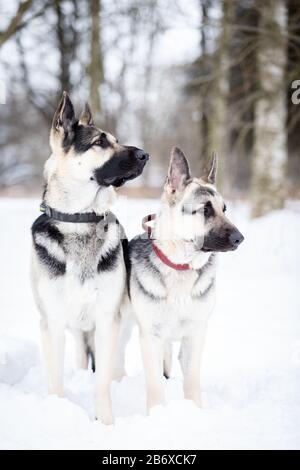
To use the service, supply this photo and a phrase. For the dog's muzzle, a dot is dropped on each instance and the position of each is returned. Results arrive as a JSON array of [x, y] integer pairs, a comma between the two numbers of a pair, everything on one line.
[[121, 167], [226, 240]]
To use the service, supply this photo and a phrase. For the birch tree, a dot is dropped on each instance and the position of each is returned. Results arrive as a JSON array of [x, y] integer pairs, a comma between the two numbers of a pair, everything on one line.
[[218, 123], [95, 69], [270, 153]]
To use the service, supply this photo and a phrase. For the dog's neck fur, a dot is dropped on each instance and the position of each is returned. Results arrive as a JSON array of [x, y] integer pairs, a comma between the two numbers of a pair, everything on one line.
[[177, 250], [63, 195]]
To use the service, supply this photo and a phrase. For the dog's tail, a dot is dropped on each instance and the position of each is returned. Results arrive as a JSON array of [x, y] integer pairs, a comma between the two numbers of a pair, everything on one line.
[[167, 359], [89, 343]]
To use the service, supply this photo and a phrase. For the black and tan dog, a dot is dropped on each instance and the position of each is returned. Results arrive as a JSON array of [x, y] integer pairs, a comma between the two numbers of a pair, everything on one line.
[[78, 270], [172, 275]]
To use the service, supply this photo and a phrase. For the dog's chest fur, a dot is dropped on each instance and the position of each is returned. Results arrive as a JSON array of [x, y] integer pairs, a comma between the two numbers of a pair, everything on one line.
[[168, 302], [82, 253], [74, 268]]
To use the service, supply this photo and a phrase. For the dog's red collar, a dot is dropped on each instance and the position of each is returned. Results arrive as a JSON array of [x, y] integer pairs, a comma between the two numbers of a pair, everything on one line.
[[167, 261], [157, 251]]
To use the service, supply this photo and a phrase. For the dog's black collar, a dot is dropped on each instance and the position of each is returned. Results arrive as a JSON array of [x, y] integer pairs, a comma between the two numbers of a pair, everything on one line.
[[85, 217]]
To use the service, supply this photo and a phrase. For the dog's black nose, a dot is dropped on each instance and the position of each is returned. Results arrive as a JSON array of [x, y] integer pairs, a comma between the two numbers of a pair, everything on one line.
[[236, 238], [142, 156]]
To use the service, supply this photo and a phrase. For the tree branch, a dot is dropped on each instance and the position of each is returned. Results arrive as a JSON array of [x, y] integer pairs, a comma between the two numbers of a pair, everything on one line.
[[15, 23]]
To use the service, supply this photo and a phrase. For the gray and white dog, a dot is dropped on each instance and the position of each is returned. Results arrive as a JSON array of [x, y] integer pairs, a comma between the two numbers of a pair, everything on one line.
[[172, 275], [78, 268]]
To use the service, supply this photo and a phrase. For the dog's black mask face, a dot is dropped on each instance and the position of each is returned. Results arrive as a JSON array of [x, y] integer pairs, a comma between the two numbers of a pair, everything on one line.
[[224, 238], [95, 155], [123, 166], [200, 205]]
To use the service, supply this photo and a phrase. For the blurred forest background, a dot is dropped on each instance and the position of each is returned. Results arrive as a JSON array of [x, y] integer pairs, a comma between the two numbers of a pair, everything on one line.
[[202, 74]]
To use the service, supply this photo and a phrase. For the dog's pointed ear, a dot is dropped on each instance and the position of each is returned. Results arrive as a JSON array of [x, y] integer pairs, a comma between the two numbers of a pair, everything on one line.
[[86, 118], [211, 175], [178, 173], [64, 116]]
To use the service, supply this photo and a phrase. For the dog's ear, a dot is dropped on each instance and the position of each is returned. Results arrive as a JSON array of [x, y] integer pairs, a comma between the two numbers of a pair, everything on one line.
[[64, 117], [211, 175], [62, 131], [179, 172], [86, 118]]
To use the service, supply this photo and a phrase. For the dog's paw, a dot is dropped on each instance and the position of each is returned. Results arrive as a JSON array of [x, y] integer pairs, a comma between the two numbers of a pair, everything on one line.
[[119, 374], [104, 413], [56, 391], [195, 396], [105, 418]]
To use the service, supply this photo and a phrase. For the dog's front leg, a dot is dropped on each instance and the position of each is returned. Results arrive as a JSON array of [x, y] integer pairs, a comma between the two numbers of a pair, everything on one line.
[[80, 350], [190, 359], [106, 335], [125, 331], [152, 353], [53, 344]]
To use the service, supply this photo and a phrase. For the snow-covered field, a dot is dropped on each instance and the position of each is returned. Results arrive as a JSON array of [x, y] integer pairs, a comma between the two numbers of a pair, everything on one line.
[[251, 370]]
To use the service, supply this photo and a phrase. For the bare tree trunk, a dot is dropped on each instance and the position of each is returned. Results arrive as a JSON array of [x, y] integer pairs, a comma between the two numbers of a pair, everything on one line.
[[270, 153], [95, 68], [293, 73], [63, 46], [218, 123], [204, 96], [35, 98]]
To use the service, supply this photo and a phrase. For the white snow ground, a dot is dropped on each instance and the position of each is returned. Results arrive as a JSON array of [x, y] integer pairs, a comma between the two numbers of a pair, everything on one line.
[[251, 370]]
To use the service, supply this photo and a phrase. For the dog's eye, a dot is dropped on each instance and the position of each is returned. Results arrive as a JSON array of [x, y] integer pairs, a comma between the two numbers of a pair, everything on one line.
[[224, 208], [208, 210], [189, 211], [102, 141]]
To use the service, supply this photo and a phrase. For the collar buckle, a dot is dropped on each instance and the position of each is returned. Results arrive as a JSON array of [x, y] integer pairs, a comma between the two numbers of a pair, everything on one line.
[[46, 209]]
